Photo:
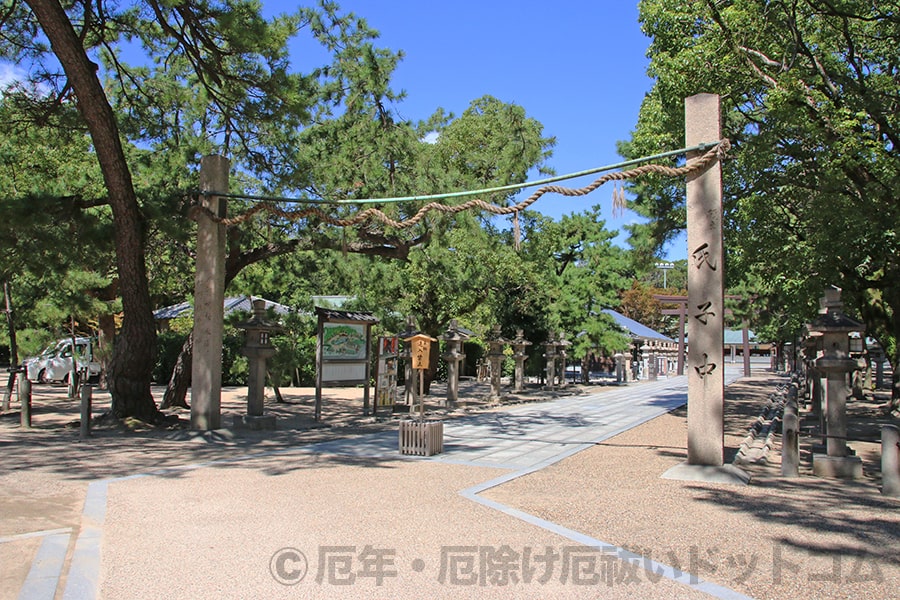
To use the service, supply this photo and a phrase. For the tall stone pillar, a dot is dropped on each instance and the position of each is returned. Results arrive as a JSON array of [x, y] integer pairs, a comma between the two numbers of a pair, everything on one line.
[[209, 298], [705, 306], [706, 291]]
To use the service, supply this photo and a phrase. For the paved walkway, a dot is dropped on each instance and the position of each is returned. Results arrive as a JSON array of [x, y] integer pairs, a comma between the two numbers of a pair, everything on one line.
[[530, 436], [219, 512]]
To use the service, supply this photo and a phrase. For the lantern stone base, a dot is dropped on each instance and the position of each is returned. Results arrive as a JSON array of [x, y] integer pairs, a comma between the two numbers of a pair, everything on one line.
[[255, 422], [421, 438], [837, 467]]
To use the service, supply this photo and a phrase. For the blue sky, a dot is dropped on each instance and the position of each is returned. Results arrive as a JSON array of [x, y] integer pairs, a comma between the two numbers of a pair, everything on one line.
[[577, 66]]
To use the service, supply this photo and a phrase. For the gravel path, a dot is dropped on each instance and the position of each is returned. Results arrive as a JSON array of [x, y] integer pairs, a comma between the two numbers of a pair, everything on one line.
[[246, 516]]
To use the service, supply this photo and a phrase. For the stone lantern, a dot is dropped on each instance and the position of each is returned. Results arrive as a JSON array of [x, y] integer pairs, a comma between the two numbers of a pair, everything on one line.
[[834, 328], [454, 338], [620, 367], [258, 349], [519, 344], [561, 345], [645, 358], [550, 357], [495, 356]]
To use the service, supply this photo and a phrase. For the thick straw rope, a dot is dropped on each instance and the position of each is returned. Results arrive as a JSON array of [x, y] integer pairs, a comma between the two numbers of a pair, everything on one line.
[[693, 166]]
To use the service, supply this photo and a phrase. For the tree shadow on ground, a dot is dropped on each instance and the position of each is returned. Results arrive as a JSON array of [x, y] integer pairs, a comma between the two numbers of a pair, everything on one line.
[[868, 524], [817, 506]]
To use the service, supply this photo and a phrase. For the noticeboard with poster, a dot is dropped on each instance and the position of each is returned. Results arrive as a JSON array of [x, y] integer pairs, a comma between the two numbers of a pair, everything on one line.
[[342, 351]]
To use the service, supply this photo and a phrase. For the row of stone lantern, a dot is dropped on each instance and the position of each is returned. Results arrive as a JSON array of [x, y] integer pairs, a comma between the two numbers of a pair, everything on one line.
[[655, 353], [454, 338], [555, 352]]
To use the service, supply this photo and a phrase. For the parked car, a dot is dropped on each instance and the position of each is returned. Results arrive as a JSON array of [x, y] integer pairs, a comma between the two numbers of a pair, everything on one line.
[[54, 364]]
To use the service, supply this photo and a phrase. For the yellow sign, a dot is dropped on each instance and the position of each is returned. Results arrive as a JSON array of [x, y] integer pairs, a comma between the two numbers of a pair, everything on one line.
[[420, 350]]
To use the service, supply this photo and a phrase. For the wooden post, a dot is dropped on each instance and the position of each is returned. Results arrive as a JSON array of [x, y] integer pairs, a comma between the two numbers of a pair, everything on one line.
[[317, 415], [745, 339], [706, 292], [368, 375], [209, 299], [13, 348], [421, 394]]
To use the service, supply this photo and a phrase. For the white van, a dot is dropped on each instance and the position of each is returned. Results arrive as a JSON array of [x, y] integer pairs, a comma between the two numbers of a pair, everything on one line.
[[55, 362]]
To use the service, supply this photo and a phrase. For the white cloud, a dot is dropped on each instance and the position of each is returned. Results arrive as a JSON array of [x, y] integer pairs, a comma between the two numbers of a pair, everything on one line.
[[9, 74], [431, 137]]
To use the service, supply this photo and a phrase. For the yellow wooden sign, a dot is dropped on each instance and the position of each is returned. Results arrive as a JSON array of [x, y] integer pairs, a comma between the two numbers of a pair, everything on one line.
[[420, 350]]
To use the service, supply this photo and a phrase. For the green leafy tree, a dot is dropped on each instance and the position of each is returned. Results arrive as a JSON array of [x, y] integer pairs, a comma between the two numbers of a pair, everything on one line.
[[582, 272], [810, 104], [214, 78]]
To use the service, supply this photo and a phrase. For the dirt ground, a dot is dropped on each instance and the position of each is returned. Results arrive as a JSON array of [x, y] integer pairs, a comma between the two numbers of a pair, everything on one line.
[[776, 538]]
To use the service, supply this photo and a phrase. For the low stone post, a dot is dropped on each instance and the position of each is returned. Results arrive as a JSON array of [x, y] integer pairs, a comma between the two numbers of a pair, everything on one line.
[[495, 356], [24, 400], [86, 393], [550, 357], [890, 460], [835, 363], [258, 349], [519, 344], [790, 436], [453, 356]]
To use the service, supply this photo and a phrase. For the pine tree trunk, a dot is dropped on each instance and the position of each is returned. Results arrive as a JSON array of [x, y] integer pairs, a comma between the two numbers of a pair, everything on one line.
[[180, 381], [131, 367]]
